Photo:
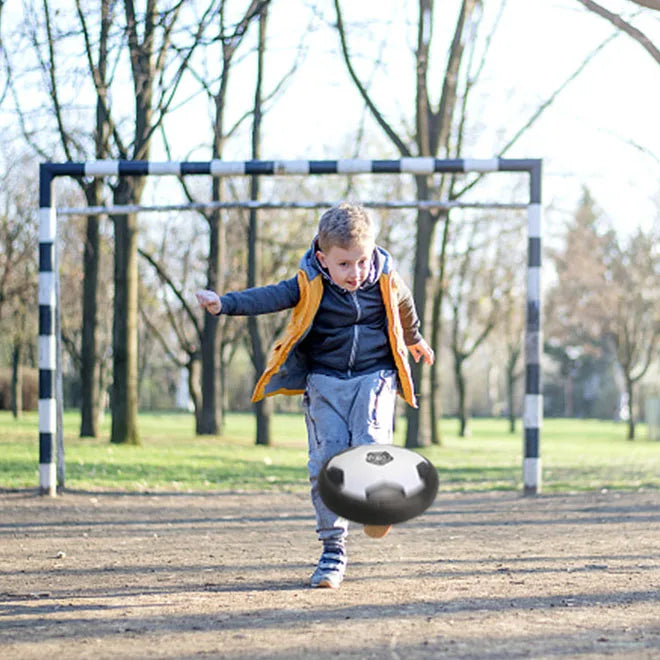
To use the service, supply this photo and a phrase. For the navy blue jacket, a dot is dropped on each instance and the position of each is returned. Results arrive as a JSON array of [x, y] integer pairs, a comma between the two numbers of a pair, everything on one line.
[[348, 336]]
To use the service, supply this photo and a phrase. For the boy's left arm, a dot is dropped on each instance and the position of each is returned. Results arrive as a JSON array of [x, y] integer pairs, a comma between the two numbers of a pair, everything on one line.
[[416, 344], [422, 350]]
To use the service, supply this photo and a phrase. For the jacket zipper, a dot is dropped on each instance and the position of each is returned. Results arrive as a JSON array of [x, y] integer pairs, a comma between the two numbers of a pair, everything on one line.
[[356, 332]]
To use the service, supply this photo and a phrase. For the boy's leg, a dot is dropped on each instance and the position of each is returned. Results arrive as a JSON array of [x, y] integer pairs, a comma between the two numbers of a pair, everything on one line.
[[340, 414], [371, 417], [372, 421], [327, 435]]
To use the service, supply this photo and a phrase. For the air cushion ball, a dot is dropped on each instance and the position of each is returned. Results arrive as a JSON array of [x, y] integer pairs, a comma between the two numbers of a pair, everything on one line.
[[378, 484]]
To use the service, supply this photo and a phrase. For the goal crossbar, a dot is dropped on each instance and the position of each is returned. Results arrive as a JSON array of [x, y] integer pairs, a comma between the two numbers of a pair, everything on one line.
[[119, 209]]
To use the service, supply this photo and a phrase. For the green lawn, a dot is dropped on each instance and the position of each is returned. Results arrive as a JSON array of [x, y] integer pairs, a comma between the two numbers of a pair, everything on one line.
[[577, 455]]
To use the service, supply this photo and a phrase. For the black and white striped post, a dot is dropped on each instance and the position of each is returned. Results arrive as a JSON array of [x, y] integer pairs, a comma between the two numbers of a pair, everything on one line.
[[533, 404], [47, 349]]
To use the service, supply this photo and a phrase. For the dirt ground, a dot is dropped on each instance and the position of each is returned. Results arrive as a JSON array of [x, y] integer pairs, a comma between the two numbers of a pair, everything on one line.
[[493, 575]]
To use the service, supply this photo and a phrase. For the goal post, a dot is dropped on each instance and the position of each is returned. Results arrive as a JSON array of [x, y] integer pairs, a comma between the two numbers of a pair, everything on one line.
[[48, 275]]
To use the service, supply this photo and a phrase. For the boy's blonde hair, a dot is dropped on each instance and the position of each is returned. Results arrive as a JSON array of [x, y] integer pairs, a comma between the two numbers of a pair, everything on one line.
[[344, 226]]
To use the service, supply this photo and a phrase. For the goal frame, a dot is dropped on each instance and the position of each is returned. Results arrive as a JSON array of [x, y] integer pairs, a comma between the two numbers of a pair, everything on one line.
[[49, 276]]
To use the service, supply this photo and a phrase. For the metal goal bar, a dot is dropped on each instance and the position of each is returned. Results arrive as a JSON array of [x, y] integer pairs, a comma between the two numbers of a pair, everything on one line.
[[48, 276], [250, 205]]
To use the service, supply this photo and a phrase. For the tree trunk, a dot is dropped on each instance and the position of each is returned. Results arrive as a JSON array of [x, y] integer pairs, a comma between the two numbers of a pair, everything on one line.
[[223, 400], [16, 381], [89, 405], [418, 428], [261, 408], [125, 338], [263, 416], [193, 368], [90, 402], [436, 339], [258, 354], [211, 419], [631, 408], [461, 390], [207, 423], [435, 399], [510, 392], [104, 374]]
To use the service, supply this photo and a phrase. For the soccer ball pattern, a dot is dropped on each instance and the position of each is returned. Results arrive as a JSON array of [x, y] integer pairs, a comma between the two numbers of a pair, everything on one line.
[[378, 484]]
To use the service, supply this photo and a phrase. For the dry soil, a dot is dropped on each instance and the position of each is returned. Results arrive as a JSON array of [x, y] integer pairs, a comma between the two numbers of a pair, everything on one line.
[[491, 575]]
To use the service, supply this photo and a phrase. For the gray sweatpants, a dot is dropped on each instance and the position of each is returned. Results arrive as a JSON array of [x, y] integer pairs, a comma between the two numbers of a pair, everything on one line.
[[340, 414]]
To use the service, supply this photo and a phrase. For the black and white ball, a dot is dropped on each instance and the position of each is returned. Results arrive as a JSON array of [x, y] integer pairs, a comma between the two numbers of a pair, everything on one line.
[[378, 484]]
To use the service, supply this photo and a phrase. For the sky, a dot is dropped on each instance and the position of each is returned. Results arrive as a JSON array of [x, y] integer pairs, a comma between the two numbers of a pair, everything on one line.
[[602, 131]]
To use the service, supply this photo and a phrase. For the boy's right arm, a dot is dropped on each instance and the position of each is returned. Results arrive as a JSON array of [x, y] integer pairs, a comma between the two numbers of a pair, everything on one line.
[[209, 300], [250, 302]]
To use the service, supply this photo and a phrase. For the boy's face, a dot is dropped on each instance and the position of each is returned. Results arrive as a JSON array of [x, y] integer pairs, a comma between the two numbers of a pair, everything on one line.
[[348, 267]]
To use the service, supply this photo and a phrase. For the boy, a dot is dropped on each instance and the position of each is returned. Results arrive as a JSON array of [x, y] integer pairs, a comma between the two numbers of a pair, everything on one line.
[[344, 349]]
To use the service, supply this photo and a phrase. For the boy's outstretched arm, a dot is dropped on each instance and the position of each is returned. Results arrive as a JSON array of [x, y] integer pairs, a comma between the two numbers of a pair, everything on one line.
[[253, 301], [422, 350], [209, 300]]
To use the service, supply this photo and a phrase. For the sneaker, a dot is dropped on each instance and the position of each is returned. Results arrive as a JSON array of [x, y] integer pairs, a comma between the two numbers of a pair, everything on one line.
[[330, 570], [377, 531]]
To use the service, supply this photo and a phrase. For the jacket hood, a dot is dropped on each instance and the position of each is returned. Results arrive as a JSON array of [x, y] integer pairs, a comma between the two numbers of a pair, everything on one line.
[[381, 262]]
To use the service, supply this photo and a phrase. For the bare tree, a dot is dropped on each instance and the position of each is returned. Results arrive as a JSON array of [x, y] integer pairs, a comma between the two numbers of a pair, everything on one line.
[[18, 268], [179, 320], [473, 294], [213, 334], [257, 343], [230, 36], [90, 358], [74, 230], [633, 323], [149, 41], [145, 38], [72, 146], [474, 69], [606, 291], [164, 305], [147, 60], [439, 130], [214, 348], [433, 124], [511, 317]]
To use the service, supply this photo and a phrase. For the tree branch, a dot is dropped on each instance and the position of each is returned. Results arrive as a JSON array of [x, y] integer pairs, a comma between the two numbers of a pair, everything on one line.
[[626, 27], [540, 110], [163, 342], [172, 87], [400, 145], [442, 119], [649, 4], [100, 84], [51, 69], [168, 280]]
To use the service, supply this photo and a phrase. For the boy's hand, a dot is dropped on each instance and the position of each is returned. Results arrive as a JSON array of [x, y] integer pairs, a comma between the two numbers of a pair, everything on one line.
[[422, 350], [209, 300]]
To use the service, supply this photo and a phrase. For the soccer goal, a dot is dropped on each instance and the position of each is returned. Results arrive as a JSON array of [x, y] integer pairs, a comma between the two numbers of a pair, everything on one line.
[[49, 422]]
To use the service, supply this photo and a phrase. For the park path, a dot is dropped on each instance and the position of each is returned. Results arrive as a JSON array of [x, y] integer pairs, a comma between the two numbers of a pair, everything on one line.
[[480, 575]]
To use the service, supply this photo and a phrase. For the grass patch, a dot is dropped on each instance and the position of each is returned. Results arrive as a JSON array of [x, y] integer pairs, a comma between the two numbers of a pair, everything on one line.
[[577, 455]]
